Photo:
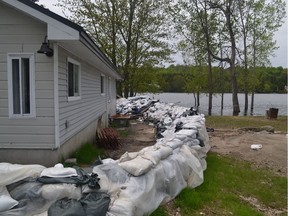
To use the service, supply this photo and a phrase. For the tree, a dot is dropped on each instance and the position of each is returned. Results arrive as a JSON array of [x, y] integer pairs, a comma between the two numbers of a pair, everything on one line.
[[195, 26], [131, 33], [256, 30], [263, 28]]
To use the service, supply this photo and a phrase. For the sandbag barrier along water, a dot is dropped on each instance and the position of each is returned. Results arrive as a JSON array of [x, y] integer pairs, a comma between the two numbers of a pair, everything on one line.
[[134, 185]]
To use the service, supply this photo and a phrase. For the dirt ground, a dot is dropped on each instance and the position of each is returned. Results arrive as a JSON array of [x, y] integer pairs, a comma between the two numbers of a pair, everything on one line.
[[237, 143], [139, 135]]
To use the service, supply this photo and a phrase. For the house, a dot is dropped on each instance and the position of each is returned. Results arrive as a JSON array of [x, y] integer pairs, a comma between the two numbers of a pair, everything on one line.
[[51, 99]]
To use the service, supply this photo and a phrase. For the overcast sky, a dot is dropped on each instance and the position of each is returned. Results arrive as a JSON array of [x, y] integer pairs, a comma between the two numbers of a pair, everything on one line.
[[280, 58]]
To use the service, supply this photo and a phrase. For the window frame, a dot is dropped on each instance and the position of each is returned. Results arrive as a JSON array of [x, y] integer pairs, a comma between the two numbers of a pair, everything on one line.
[[74, 62], [32, 107], [102, 84]]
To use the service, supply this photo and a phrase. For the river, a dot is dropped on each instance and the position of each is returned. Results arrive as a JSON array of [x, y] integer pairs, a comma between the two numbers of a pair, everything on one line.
[[262, 102]]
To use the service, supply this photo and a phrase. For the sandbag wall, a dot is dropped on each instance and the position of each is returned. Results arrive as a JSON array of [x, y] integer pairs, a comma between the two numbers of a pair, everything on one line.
[[136, 184]]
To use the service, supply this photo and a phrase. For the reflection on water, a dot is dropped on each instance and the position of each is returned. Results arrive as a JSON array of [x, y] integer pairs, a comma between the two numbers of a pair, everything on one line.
[[262, 102]]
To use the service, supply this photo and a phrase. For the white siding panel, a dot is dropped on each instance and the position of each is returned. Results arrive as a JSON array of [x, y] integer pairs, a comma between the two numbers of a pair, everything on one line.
[[4, 112], [40, 76], [4, 101], [45, 94], [45, 103], [4, 92], [20, 33], [45, 112], [13, 29], [39, 122], [9, 130], [3, 85], [44, 85], [10, 16]]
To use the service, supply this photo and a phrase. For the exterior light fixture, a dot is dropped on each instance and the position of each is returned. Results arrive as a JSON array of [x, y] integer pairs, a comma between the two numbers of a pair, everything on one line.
[[45, 49]]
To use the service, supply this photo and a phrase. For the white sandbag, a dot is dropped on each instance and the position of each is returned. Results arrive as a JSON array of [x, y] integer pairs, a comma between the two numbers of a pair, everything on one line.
[[165, 151], [168, 134], [167, 121], [175, 143], [154, 156], [121, 207], [11, 173], [42, 214], [196, 175], [59, 171], [189, 125], [6, 201], [59, 191], [138, 166], [187, 133], [128, 156]]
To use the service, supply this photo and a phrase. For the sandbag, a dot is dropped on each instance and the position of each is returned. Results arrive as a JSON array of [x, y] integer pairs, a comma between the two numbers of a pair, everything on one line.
[[138, 166], [11, 173], [59, 171], [59, 191], [6, 201]]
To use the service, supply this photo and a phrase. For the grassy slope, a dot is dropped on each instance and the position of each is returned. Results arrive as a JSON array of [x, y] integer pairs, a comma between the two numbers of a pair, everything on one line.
[[226, 179]]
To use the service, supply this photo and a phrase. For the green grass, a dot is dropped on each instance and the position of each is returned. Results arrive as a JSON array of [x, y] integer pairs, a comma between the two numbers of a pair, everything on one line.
[[161, 211], [88, 153], [225, 180], [233, 122]]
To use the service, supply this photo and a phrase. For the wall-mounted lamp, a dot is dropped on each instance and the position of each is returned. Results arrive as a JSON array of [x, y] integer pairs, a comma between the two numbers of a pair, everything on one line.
[[45, 48]]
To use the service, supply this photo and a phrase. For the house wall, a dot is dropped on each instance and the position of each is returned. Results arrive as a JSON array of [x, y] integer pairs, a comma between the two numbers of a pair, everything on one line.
[[19, 33], [92, 108]]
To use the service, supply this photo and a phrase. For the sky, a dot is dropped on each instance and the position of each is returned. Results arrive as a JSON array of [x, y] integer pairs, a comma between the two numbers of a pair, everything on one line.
[[280, 36]]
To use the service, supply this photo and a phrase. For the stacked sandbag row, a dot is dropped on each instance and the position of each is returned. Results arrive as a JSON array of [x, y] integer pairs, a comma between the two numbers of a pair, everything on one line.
[[132, 105], [158, 173]]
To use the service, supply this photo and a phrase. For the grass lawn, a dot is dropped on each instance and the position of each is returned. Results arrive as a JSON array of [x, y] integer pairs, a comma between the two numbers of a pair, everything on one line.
[[233, 122], [227, 183], [87, 154]]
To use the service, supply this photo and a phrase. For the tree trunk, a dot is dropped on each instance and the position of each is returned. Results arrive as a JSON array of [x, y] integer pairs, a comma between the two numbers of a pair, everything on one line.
[[198, 99], [236, 108], [252, 103], [222, 101], [195, 101]]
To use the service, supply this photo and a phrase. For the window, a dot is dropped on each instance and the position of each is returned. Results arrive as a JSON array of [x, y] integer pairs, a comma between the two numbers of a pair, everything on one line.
[[102, 84], [73, 69], [21, 85]]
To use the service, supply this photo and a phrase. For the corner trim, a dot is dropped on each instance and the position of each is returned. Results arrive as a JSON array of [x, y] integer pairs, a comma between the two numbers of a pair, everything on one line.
[[56, 95]]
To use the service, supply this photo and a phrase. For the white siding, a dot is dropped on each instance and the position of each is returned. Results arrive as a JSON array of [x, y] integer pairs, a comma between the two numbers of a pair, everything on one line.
[[21, 33], [89, 108]]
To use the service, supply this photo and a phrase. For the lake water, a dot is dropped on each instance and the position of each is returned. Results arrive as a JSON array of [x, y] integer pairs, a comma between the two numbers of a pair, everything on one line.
[[262, 102]]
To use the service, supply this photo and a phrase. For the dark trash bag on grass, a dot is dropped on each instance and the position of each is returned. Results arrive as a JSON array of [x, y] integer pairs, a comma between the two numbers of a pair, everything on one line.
[[90, 204]]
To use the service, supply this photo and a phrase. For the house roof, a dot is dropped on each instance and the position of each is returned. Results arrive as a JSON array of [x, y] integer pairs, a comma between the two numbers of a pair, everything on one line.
[[60, 28]]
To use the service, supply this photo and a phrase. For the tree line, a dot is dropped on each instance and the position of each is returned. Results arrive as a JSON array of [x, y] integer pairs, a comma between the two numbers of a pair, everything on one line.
[[192, 79], [139, 35]]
